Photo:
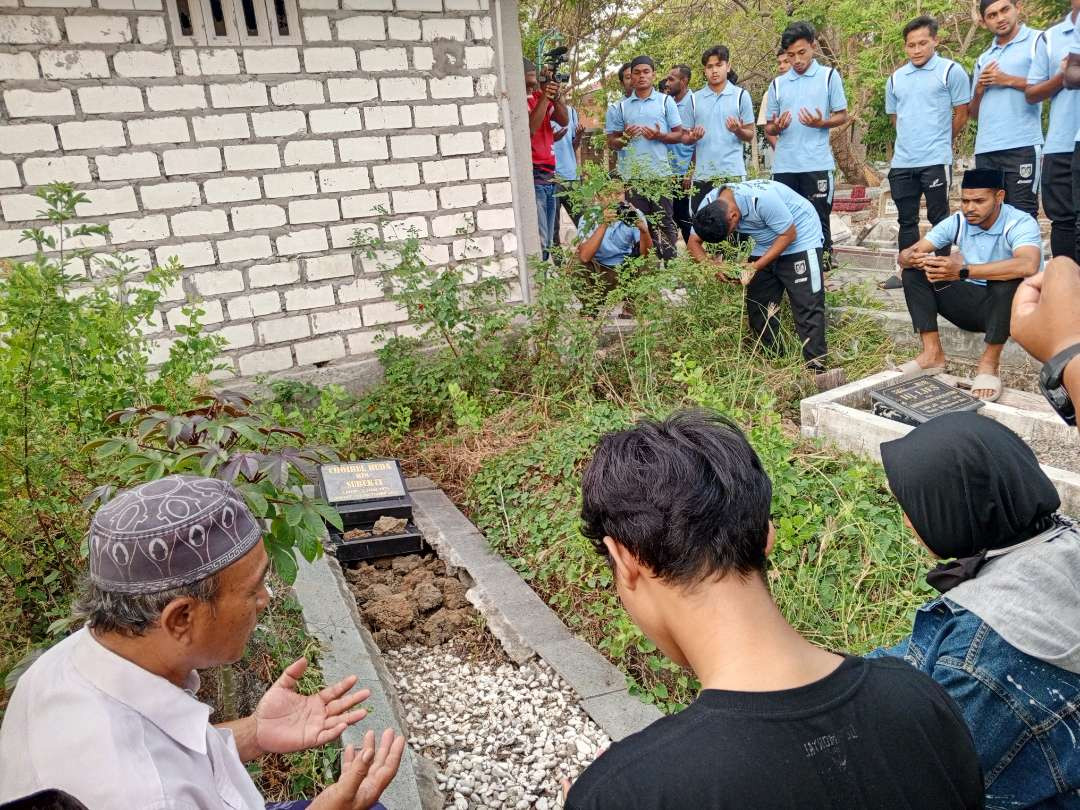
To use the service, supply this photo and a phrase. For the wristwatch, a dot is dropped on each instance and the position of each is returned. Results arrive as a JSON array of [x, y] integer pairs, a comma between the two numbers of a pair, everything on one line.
[[1050, 383], [965, 271]]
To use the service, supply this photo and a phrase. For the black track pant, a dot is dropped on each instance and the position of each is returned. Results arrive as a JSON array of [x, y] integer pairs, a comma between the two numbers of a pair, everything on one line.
[[661, 218], [817, 187], [971, 307], [798, 274], [1076, 195], [684, 211], [563, 205], [1057, 201], [907, 187], [1022, 169]]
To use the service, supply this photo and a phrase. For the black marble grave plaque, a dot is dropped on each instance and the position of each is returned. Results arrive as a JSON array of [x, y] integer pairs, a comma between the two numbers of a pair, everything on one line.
[[370, 480], [921, 399]]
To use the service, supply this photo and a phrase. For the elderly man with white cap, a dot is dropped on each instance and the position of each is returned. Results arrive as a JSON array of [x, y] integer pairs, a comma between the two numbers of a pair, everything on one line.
[[110, 715]]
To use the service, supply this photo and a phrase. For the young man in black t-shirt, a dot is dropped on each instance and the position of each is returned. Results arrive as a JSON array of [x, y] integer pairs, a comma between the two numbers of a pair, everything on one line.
[[682, 509]]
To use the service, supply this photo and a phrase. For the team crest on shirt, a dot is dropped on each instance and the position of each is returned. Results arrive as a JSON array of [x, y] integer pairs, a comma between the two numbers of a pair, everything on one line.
[[800, 267], [822, 186], [1025, 169]]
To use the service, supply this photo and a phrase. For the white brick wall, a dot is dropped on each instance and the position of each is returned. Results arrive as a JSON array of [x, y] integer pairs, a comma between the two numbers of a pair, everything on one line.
[[255, 166]]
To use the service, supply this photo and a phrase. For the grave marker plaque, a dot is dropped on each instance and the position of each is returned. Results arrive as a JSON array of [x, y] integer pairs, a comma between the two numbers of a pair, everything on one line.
[[920, 400]]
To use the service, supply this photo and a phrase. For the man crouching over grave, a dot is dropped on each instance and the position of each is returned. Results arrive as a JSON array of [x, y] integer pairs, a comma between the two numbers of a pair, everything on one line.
[[785, 255], [609, 237], [997, 247], [681, 509], [177, 571]]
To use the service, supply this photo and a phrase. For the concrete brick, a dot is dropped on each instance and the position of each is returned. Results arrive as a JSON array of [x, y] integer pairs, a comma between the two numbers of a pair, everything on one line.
[[219, 62], [271, 60], [306, 153], [479, 57], [33, 104], [364, 28], [171, 129], [486, 84], [435, 28], [466, 5], [256, 217], [169, 195], [368, 5], [387, 117], [348, 179], [319, 351], [475, 114], [200, 223], [116, 5], [111, 99], [317, 29], [144, 64], [128, 166], [18, 139], [362, 289], [407, 146], [242, 94], [497, 140], [408, 202], [383, 312], [20, 29], [498, 193], [148, 5], [361, 343], [237, 335], [509, 243], [312, 240], [22, 207], [419, 5], [480, 27], [227, 127], [338, 320], [404, 28], [495, 219], [140, 229], [435, 255], [342, 119], [330, 60], [302, 91], [97, 28], [278, 123], [435, 115], [359, 206], [151, 30], [334, 265], [320, 5], [461, 143], [452, 87], [16, 66], [80, 64], [38, 171], [410, 227], [380, 59], [217, 282], [475, 248], [484, 168], [273, 275], [309, 298], [9, 174], [252, 156], [256, 305], [263, 362], [12, 244], [452, 225], [282, 329], [102, 201], [167, 98], [402, 88], [189, 62], [289, 184], [345, 90], [444, 171], [320, 210], [202, 160], [231, 189], [423, 58], [398, 174], [192, 254], [461, 196], [355, 150], [244, 248]]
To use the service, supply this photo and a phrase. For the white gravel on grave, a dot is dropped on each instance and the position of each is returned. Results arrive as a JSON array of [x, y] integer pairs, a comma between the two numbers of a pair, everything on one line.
[[502, 737]]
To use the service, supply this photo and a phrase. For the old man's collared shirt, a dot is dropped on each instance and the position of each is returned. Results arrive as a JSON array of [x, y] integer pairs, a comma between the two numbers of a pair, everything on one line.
[[115, 736]]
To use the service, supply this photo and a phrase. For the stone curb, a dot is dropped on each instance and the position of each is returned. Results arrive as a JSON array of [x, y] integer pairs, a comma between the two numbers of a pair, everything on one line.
[[521, 621]]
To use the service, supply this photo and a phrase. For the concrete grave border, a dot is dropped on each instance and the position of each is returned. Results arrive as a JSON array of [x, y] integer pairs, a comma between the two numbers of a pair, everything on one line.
[[838, 417]]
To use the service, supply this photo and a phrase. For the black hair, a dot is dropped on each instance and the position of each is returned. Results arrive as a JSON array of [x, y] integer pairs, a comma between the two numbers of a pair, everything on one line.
[[528, 65], [687, 497], [684, 71], [722, 53], [796, 31], [781, 51], [662, 85], [622, 69], [924, 21], [985, 4], [710, 222]]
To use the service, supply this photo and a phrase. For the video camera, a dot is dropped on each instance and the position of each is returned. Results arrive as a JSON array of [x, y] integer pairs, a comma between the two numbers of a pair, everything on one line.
[[626, 214], [552, 58]]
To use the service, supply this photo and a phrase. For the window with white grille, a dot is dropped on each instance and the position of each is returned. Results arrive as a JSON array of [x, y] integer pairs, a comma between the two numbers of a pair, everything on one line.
[[234, 22]]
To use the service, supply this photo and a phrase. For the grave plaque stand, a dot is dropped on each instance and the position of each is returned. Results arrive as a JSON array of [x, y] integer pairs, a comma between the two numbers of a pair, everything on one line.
[[376, 510], [913, 402]]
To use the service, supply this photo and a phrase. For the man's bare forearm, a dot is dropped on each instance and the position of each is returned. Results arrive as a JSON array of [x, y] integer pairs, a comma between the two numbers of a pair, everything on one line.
[[243, 731]]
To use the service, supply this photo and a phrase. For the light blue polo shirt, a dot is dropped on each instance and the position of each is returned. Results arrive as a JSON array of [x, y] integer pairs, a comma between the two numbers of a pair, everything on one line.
[[644, 158], [618, 243], [801, 148], [922, 99], [720, 153], [1012, 229], [565, 157], [767, 209], [1051, 47], [681, 153], [1006, 120]]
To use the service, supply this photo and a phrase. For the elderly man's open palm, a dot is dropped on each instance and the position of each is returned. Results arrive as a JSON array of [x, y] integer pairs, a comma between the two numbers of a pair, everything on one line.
[[286, 721]]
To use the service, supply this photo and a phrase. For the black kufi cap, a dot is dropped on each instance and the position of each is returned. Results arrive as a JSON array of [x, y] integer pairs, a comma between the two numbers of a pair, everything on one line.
[[642, 60], [984, 178]]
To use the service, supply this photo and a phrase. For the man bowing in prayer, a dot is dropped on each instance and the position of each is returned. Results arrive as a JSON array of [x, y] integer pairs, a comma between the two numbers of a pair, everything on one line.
[[177, 582]]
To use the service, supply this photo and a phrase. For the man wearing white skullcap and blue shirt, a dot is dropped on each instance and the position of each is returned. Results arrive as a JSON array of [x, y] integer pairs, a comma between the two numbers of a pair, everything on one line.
[[109, 714]]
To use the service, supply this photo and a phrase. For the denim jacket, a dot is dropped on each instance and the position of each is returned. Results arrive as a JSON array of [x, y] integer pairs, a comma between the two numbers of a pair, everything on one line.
[[1024, 714]]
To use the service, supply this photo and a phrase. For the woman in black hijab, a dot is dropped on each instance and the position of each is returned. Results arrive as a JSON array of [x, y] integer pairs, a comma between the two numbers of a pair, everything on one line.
[[1004, 636]]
